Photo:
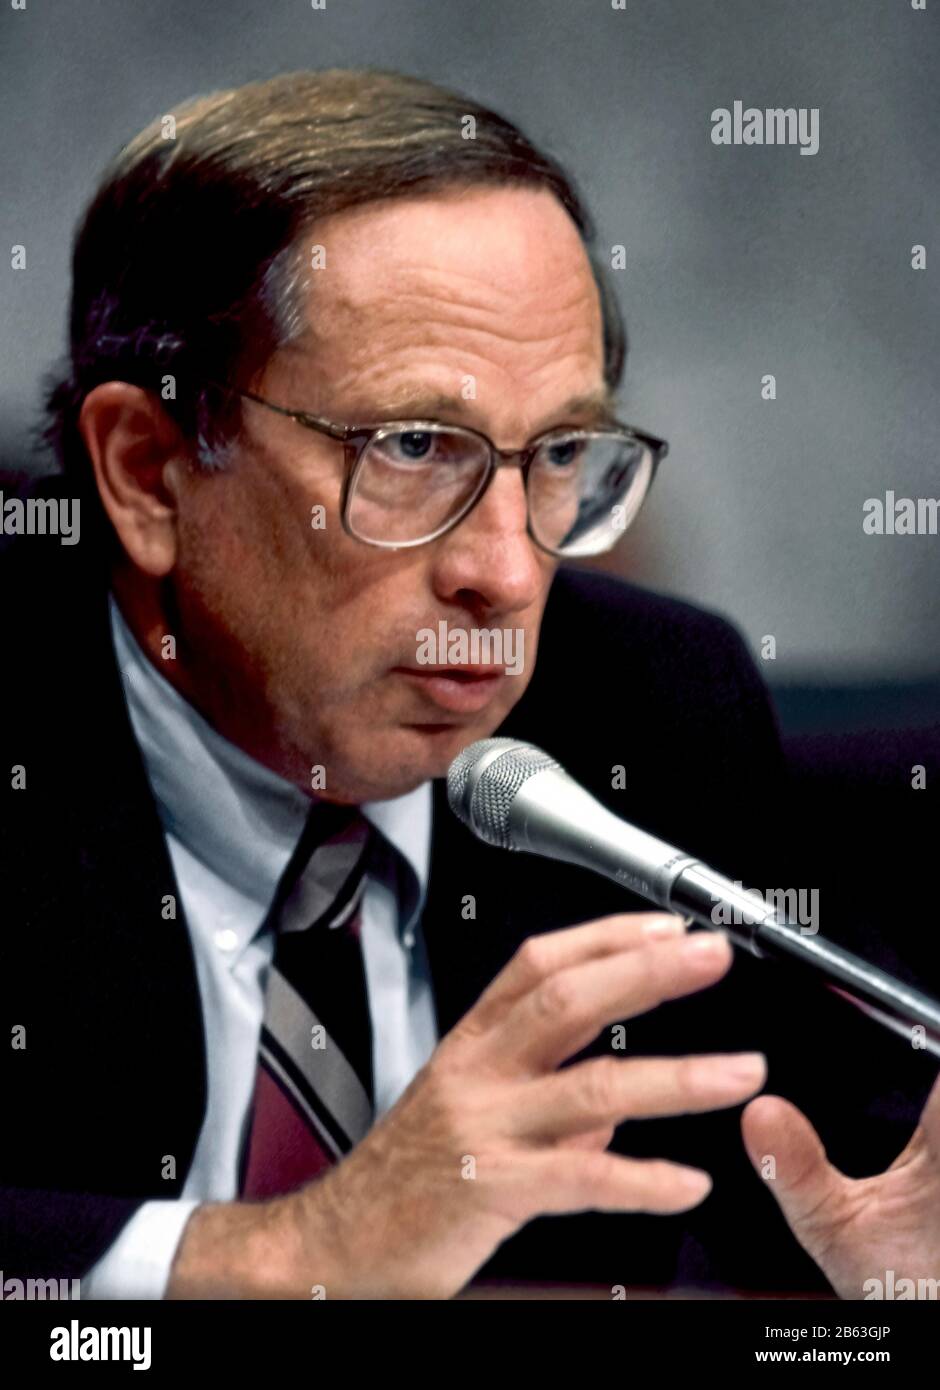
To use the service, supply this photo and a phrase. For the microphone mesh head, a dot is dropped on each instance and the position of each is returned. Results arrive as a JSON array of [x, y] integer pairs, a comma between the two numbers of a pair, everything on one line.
[[459, 771], [486, 808]]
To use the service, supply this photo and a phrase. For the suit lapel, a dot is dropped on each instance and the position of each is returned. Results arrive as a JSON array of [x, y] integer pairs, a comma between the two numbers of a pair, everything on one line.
[[104, 953], [483, 902], [467, 935]]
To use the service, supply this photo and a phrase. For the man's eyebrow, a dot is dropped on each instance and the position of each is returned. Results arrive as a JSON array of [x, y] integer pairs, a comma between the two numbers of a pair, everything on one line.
[[416, 404], [600, 404]]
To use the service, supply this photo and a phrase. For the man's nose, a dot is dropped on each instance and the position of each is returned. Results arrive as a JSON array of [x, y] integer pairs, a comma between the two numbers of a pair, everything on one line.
[[489, 561]]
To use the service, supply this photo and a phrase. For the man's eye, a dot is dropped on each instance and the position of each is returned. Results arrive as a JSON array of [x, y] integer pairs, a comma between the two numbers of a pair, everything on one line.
[[563, 454], [413, 446]]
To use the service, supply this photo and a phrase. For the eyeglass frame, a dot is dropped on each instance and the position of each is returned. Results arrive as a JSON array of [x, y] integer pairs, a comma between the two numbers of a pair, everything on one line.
[[357, 438]]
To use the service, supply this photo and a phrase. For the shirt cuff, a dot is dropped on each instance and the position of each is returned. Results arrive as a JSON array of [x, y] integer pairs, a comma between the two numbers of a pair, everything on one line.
[[137, 1264]]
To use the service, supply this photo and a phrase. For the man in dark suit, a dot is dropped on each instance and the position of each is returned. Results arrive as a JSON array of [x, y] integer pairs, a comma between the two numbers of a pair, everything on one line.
[[225, 839]]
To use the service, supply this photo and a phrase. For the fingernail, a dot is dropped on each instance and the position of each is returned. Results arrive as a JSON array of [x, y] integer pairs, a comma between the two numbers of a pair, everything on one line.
[[745, 1066], [703, 943], [695, 1181], [667, 925]]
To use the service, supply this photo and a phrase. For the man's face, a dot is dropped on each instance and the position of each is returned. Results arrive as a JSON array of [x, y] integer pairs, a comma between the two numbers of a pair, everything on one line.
[[301, 644]]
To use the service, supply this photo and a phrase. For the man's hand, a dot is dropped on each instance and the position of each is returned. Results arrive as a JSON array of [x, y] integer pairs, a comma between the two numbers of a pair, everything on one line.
[[491, 1133], [855, 1229]]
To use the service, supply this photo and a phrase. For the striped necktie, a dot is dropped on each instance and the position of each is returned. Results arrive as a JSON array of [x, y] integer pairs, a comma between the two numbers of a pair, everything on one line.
[[313, 1086]]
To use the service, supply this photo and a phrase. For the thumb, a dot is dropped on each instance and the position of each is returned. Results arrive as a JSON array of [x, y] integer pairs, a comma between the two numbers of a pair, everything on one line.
[[788, 1153], [930, 1120], [926, 1136]]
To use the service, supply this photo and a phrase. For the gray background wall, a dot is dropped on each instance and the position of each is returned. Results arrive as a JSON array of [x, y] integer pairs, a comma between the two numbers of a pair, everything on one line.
[[740, 260]]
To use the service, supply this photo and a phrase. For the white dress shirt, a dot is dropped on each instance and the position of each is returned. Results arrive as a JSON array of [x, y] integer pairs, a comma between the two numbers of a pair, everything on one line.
[[231, 826]]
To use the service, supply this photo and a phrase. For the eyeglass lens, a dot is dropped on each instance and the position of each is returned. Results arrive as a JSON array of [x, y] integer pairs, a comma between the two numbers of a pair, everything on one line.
[[584, 487]]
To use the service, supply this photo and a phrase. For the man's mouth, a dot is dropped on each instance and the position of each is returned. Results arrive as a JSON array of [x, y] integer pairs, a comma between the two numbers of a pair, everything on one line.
[[459, 689]]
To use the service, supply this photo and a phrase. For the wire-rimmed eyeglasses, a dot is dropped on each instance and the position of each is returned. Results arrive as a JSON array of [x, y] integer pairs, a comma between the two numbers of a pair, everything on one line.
[[407, 482]]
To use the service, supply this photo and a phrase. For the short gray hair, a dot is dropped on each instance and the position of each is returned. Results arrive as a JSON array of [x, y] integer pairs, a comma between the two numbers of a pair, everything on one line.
[[189, 261]]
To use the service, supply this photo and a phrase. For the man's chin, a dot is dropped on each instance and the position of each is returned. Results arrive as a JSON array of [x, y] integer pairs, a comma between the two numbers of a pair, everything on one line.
[[426, 750], [410, 754], [436, 745]]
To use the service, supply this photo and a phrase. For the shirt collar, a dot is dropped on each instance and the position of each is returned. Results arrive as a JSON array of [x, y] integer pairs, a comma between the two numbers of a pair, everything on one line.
[[236, 816]]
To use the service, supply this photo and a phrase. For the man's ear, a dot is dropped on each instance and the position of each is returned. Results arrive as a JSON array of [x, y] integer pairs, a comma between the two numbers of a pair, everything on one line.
[[138, 455]]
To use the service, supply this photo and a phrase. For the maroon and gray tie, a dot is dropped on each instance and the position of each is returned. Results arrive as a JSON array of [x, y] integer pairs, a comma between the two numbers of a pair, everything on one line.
[[313, 1097]]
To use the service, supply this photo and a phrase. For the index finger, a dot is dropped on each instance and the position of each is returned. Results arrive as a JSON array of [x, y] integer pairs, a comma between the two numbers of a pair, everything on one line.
[[542, 956], [566, 1012]]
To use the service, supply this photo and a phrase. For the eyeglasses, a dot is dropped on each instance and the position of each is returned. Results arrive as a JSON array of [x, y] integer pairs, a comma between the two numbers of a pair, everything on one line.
[[408, 482]]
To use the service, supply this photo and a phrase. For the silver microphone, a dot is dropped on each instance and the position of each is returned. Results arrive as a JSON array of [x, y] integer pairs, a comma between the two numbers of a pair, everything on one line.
[[517, 797]]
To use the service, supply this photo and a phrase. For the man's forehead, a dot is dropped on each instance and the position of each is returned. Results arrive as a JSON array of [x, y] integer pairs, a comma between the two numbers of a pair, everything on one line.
[[396, 324], [382, 393], [493, 248]]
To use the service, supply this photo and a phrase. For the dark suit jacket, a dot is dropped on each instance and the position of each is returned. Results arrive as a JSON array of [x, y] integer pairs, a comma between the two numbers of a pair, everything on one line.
[[112, 1078]]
